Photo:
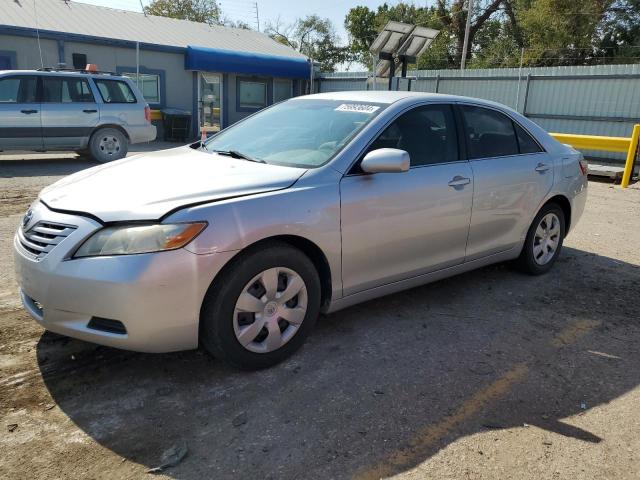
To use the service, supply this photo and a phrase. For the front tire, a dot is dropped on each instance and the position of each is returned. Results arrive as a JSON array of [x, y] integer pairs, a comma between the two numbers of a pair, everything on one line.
[[544, 241], [108, 144], [260, 310]]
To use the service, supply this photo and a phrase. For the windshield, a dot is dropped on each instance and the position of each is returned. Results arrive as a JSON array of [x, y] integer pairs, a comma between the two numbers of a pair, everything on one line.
[[303, 133]]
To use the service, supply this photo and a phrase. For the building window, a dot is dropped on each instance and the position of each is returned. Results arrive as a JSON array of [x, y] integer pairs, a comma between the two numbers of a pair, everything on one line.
[[282, 89], [8, 60], [114, 91], [79, 60], [252, 94], [5, 62], [149, 85]]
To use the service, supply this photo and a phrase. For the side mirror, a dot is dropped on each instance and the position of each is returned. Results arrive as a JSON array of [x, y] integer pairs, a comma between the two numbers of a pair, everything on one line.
[[385, 160]]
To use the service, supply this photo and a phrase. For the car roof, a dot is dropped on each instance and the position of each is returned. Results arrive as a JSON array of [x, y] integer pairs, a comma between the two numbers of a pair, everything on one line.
[[60, 72], [389, 97]]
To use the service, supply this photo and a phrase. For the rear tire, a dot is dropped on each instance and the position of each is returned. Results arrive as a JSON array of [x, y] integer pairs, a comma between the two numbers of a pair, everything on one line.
[[108, 144], [242, 320], [544, 240]]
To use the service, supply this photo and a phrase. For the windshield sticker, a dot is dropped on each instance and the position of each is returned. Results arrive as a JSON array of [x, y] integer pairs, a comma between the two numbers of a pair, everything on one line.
[[356, 107]]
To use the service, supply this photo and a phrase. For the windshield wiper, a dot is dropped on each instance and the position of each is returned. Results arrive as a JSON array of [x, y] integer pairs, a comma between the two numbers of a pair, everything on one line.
[[240, 155]]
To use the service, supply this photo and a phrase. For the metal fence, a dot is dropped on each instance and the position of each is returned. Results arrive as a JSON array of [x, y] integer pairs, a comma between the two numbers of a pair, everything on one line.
[[596, 100]]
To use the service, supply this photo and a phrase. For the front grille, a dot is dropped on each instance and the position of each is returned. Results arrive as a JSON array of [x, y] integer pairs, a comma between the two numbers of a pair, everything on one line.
[[40, 239]]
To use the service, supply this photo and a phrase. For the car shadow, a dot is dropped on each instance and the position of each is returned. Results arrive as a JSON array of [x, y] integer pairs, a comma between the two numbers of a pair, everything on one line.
[[59, 165], [51, 164], [379, 388]]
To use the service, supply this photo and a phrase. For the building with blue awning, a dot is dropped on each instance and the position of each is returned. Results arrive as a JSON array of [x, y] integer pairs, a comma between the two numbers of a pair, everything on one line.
[[217, 74]]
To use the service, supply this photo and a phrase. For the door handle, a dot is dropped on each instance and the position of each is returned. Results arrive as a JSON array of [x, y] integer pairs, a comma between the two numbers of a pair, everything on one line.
[[459, 181], [542, 167], [29, 112], [90, 111]]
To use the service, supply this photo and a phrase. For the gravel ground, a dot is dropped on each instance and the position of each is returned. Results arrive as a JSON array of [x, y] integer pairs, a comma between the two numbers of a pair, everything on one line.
[[490, 374]]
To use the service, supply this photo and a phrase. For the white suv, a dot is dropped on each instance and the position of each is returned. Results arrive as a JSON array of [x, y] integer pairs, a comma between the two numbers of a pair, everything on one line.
[[87, 112]]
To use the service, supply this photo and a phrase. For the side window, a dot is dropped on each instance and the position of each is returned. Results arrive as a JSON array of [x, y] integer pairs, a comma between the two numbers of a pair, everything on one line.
[[527, 144], [115, 91], [427, 133], [18, 89], [66, 90], [489, 133]]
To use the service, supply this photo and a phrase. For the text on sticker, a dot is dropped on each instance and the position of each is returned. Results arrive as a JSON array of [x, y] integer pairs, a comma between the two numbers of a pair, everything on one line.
[[356, 107]]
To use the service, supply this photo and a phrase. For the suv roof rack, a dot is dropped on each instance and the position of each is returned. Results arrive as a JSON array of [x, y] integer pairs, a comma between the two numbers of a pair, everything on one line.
[[78, 70]]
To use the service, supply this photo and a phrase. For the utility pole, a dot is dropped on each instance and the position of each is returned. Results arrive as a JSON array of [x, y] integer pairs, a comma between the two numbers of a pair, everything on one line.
[[255, 4], [465, 46]]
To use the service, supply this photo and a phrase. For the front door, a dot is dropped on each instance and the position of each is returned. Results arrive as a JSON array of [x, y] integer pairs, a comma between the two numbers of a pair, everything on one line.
[[20, 113], [69, 112], [512, 175], [210, 102], [399, 225]]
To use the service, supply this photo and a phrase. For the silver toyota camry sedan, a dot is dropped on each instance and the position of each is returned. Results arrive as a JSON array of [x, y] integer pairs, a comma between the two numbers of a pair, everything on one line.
[[312, 205]]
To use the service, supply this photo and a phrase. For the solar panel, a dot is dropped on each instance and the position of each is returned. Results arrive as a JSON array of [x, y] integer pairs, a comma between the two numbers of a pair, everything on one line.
[[400, 43]]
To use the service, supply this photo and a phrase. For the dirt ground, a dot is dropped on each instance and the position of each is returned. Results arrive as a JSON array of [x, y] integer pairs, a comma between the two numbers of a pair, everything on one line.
[[487, 375]]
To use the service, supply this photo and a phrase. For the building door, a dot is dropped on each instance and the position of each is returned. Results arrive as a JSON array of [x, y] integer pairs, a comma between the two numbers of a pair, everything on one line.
[[210, 102]]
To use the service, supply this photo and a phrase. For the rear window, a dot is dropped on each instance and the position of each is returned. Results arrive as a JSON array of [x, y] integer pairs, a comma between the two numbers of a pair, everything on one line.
[[115, 91]]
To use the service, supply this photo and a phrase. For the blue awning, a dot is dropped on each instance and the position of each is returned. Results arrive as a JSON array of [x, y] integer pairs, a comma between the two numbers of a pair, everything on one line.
[[228, 61]]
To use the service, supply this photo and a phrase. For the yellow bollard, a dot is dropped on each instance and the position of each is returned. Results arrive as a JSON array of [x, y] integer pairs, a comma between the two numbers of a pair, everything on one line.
[[631, 156]]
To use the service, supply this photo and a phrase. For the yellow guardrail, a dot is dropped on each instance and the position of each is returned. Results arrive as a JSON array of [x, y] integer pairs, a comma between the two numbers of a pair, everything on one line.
[[628, 145]]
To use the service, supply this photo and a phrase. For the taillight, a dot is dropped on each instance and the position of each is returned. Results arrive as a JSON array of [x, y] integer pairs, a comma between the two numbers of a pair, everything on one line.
[[584, 166], [147, 113]]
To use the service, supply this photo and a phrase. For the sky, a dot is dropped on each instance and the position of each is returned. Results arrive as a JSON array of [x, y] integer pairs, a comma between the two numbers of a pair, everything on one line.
[[269, 10]]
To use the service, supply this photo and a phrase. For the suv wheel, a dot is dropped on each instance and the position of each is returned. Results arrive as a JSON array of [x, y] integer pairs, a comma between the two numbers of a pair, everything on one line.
[[108, 144], [259, 311], [544, 241]]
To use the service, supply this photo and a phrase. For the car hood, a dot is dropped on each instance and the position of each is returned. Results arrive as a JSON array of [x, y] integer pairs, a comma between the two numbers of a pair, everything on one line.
[[150, 185]]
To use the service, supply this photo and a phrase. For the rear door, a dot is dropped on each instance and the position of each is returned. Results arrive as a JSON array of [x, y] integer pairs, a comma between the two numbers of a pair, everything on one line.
[[69, 112], [512, 175], [20, 126], [400, 225]]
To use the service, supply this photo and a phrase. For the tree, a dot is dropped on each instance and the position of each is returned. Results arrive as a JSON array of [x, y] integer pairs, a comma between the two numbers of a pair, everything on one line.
[[619, 32], [447, 16], [228, 22], [203, 11], [551, 32], [454, 17], [314, 37]]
